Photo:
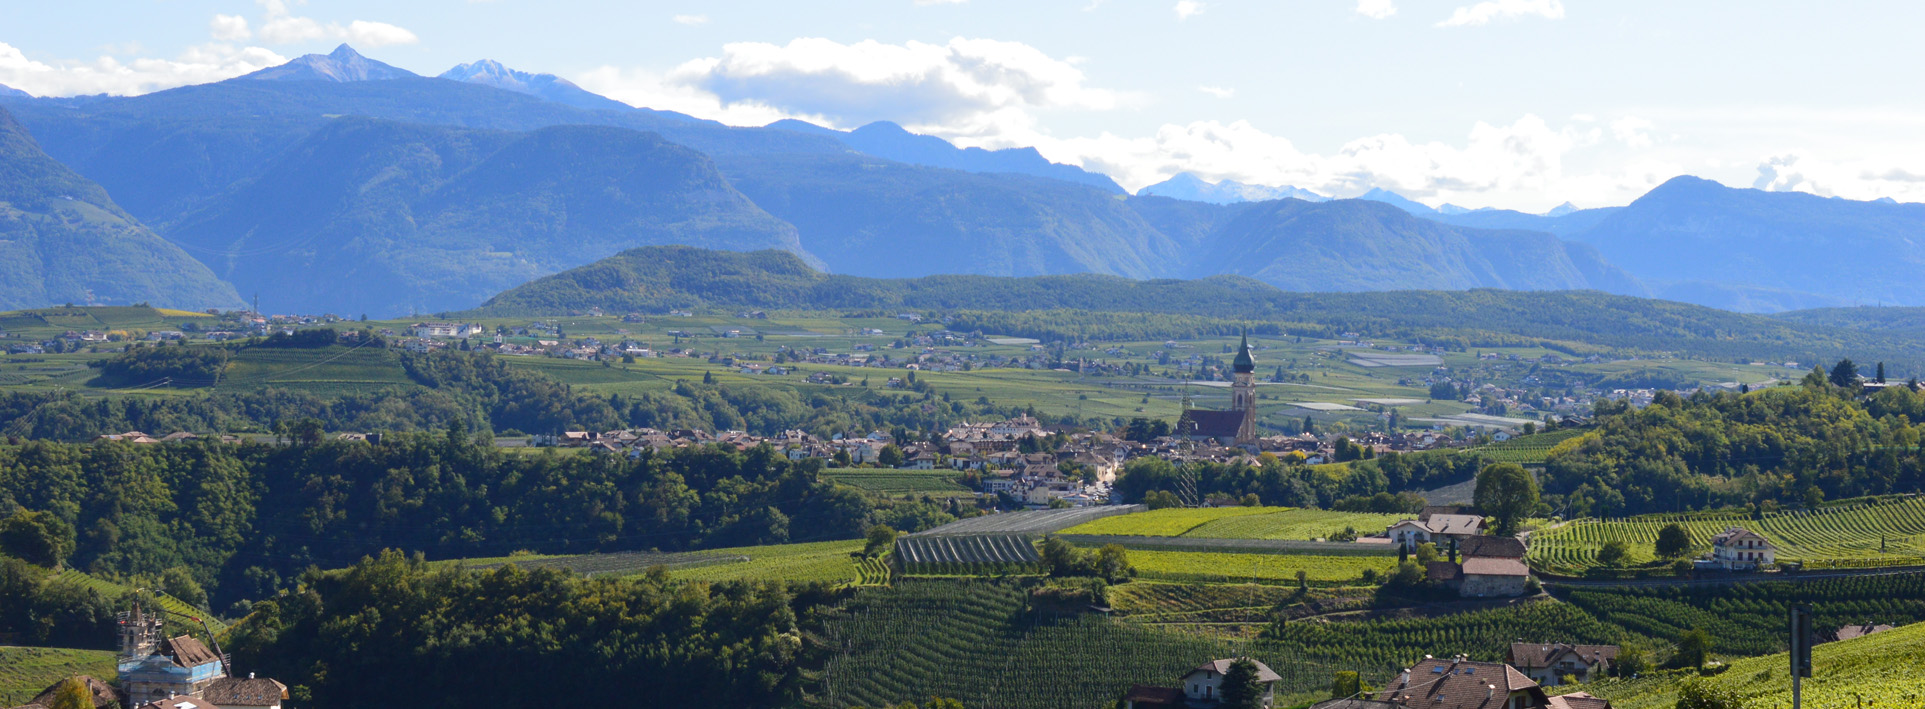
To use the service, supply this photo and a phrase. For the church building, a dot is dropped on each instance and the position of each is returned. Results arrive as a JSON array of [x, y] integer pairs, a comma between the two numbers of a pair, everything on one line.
[[1238, 425]]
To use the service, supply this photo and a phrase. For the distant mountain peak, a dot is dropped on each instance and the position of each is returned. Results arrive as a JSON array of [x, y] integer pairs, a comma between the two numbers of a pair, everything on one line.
[[342, 65], [488, 72], [1188, 186], [1561, 210], [1379, 194], [6, 90]]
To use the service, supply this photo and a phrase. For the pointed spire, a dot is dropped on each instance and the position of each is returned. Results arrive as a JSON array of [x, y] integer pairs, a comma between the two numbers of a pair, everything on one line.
[[1244, 364]]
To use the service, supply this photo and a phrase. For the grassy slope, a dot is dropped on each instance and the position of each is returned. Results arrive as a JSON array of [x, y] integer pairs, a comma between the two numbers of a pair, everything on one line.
[[1846, 534], [27, 671], [1881, 669]]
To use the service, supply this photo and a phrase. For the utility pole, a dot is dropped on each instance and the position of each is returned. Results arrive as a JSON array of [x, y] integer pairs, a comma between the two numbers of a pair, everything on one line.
[[1802, 636]]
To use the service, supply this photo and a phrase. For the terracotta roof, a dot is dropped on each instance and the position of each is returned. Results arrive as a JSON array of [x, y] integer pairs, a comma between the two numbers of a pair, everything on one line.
[[250, 692], [1434, 510], [1736, 534], [1143, 695], [1579, 700], [1458, 684], [1534, 655], [1495, 566], [1353, 704], [1506, 547], [187, 652], [1222, 667]]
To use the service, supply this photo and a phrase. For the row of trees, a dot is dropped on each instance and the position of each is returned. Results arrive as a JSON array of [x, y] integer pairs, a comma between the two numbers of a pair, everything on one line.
[[1279, 481]]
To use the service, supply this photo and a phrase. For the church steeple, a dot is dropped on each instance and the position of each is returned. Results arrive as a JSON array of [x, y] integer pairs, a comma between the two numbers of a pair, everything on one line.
[[1244, 364]]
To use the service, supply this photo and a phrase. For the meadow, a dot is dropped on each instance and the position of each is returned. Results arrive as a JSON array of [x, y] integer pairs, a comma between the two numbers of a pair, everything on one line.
[[1848, 534], [27, 671], [829, 562], [900, 483], [1219, 567]]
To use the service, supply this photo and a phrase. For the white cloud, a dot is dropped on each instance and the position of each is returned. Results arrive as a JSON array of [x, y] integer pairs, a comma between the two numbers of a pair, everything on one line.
[[1484, 12], [230, 28], [281, 26], [1217, 91], [987, 89], [691, 20], [1186, 9], [196, 65], [1632, 131], [1376, 9]]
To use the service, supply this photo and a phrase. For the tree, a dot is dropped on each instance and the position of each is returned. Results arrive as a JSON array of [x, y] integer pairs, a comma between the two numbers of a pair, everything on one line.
[[1632, 661], [1613, 553], [179, 582], [879, 539], [1241, 689], [1160, 499], [1844, 373], [1346, 684], [1694, 647], [1113, 563], [1508, 492], [37, 537], [72, 694], [890, 456], [1426, 553], [1881, 373], [1673, 541]]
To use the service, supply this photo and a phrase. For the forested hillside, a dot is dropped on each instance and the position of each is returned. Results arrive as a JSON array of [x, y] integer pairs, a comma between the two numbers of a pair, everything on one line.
[[656, 279], [63, 239]]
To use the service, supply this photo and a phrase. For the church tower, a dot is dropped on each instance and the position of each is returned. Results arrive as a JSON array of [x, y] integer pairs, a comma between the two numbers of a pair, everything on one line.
[[1243, 392]]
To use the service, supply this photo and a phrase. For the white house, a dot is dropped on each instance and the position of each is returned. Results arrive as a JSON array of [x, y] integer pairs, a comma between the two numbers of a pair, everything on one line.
[[1740, 549], [445, 329], [1205, 683]]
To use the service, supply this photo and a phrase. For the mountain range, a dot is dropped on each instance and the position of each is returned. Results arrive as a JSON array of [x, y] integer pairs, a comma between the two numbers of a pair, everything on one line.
[[336, 182]]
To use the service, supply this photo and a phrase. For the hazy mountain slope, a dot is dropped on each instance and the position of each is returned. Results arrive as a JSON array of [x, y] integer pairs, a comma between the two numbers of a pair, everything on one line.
[[10, 92], [1908, 321], [651, 280], [1690, 230], [891, 142], [488, 72], [871, 217], [382, 218], [1355, 245], [63, 240], [1565, 225], [1188, 222]]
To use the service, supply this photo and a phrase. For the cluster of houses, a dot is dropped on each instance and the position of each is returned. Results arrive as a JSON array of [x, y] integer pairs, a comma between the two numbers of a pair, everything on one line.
[[1434, 683]]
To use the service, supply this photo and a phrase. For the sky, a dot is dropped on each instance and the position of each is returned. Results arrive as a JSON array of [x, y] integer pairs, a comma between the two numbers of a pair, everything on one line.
[[1519, 104]]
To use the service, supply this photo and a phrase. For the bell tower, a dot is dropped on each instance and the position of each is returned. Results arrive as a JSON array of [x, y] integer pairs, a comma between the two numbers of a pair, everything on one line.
[[1243, 392]]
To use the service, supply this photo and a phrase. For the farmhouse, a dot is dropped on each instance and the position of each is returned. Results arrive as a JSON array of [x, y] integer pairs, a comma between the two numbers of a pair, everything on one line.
[[1459, 683], [1438, 529], [1549, 663], [1739, 549], [444, 329], [1492, 567], [1202, 687]]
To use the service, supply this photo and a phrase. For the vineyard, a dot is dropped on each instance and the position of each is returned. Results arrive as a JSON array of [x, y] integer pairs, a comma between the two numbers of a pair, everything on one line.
[[1180, 603], [1870, 533], [1879, 670], [952, 554], [1752, 619], [937, 483], [1217, 567], [26, 671], [1527, 450], [829, 562], [110, 591], [1238, 523], [975, 642]]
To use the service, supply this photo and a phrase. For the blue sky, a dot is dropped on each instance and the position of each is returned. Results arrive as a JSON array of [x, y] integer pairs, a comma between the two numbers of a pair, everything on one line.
[[1513, 103]]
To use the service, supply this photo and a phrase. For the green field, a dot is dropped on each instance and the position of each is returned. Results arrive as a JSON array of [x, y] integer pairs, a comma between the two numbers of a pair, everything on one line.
[[329, 371], [1878, 670], [1856, 534], [1237, 523], [27, 671], [815, 561], [1214, 567], [883, 481]]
